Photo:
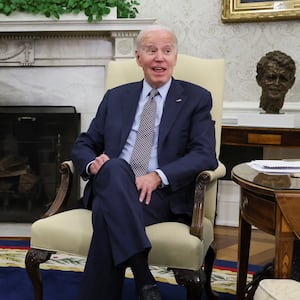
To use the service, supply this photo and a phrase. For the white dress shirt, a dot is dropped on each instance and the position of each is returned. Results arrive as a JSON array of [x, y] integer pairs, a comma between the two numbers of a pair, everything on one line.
[[129, 145]]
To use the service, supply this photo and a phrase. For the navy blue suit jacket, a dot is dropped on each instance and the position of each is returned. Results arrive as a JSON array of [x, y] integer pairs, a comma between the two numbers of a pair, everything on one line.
[[186, 141]]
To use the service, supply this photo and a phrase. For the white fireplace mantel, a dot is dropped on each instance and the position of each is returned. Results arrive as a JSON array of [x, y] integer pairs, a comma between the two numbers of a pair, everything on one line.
[[20, 37], [61, 62], [73, 23]]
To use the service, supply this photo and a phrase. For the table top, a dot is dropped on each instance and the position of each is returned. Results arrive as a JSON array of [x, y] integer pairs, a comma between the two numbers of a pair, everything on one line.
[[244, 173]]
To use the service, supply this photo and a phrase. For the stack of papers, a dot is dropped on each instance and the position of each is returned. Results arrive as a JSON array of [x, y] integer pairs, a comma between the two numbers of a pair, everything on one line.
[[276, 166]]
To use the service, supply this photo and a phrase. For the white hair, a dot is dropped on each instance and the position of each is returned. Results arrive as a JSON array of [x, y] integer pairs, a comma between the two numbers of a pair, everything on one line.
[[152, 28]]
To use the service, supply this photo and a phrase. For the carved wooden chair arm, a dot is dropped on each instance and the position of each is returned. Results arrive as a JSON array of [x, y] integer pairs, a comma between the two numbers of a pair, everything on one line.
[[202, 180], [62, 196]]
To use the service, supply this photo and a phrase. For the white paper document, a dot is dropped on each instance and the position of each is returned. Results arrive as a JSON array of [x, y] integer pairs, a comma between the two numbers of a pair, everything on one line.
[[276, 166]]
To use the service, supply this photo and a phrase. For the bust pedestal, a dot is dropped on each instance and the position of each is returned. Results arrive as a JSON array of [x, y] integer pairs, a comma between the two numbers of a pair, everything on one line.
[[281, 120]]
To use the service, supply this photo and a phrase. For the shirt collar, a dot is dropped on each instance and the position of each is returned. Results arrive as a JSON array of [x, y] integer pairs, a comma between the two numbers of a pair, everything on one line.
[[163, 90]]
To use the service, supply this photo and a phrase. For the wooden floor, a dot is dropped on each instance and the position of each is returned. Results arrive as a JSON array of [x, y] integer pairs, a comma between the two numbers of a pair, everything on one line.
[[262, 245]]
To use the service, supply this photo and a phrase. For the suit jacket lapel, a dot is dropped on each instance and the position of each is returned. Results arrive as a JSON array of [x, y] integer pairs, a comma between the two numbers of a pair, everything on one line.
[[174, 103], [129, 102]]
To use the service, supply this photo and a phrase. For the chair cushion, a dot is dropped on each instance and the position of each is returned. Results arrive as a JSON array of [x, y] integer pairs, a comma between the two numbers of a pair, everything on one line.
[[278, 289], [172, 244], [68, 231]]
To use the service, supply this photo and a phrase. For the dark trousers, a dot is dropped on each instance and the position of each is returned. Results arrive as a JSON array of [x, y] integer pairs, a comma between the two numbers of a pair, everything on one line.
[[119, 221]]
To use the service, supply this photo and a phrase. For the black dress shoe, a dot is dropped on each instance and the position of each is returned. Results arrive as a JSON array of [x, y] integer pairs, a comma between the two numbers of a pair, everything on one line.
[[150, 292]]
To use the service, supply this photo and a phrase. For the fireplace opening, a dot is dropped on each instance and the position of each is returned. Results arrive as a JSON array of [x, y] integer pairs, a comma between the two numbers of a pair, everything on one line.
[[34, 141]]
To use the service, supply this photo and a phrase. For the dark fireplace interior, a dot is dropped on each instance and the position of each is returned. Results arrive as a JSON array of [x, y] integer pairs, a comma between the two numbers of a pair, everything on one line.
[[34, 140]]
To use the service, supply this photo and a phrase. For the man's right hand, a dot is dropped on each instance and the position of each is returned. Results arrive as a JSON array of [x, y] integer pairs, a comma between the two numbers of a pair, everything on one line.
[[96, 165]]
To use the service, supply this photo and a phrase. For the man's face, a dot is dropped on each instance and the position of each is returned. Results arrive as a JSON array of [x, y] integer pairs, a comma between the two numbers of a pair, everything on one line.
[[157, 56], [275, 82]]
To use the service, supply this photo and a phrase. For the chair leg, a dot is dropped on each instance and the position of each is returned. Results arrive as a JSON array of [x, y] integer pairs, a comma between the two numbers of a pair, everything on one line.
[[34, 258], [209, 263], [193, 281]]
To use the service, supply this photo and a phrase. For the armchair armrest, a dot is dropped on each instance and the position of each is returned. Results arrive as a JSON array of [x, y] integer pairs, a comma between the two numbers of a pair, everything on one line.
[[211, 175], [202, 180], [62, 196]]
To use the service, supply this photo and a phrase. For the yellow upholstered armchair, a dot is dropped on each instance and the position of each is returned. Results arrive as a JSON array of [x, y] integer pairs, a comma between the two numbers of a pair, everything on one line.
[[188, 250]]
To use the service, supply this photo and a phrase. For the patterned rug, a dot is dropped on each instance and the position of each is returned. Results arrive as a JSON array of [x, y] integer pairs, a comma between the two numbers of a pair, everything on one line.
[[12, 254]]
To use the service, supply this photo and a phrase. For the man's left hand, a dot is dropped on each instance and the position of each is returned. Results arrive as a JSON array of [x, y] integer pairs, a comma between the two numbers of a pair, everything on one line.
[[146, 184]]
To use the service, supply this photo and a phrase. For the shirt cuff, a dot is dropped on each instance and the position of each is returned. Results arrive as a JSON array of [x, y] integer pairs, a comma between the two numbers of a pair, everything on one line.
[[163, 177], [87, 168]]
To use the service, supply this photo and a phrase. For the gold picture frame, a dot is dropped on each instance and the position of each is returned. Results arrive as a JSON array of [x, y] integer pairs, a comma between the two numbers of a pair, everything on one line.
[[256, 10]]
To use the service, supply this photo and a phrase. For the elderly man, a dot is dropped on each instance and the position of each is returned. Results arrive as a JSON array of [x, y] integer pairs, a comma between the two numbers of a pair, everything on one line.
[[140, 155]]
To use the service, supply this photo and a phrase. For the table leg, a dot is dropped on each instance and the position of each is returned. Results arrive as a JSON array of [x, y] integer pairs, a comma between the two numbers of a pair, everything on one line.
[[243, 257], [287, 230], [284, 242]]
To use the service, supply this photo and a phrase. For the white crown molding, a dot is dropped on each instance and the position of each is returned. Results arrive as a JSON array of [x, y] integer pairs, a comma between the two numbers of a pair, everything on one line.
[[22, 22]]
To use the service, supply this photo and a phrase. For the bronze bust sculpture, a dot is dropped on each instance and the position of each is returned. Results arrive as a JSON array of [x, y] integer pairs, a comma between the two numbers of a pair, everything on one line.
[[276, 75]]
